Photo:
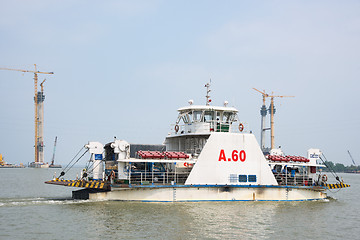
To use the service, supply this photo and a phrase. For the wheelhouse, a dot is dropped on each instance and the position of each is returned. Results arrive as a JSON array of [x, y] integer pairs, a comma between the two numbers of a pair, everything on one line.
[[205, 119], [194, 125]]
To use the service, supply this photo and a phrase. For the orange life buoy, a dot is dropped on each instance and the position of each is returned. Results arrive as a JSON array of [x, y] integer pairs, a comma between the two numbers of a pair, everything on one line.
[[324, 178], [112, 175], [176, 128], [241, 127]]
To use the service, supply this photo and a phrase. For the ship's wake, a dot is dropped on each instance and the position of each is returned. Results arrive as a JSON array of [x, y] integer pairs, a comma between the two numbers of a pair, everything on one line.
[[20, 202]]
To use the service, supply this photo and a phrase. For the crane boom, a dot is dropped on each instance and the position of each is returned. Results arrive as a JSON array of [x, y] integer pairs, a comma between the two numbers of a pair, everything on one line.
[[280, 96], [53, 156], [262, 92], [352, 159], [21, 70]]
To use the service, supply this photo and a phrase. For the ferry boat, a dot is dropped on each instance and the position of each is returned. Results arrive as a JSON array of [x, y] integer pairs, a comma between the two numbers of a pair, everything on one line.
[[207, 156]]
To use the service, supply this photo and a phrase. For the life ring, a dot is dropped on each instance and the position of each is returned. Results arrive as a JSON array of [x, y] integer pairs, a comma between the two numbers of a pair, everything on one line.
[[324, 178], [188, 164], [112, 175], [241, 127], [176, 128]]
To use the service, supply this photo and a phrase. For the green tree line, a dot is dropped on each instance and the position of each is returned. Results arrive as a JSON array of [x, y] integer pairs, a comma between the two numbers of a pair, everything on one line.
[[339, 167]]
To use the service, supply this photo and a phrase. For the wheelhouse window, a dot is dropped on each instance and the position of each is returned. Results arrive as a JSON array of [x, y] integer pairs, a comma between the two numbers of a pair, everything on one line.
[[198, 116], [209, 116], [229, 117], [186, 118], [190, 116]]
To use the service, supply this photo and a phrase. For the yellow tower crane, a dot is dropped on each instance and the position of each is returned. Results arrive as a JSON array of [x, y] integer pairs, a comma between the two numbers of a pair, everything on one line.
[[38, 142], [272, 111]]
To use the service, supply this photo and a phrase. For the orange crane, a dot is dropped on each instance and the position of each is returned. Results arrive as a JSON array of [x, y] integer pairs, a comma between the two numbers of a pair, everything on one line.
[[272, 111], [38, 139], [2, 162]]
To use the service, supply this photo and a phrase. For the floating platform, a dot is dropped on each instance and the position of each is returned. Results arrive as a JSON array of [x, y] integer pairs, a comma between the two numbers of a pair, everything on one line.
[[55, 166], [12, 166]]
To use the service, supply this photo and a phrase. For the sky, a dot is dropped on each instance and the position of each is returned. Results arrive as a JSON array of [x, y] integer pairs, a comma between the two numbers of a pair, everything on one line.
[[123, 68]]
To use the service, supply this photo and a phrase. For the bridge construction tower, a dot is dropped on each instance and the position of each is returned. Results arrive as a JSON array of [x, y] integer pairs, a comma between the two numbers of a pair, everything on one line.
[[263, 113], [39, 98]]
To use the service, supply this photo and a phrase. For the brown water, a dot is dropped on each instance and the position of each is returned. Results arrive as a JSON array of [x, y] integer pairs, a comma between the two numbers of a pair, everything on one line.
[[30, 209]]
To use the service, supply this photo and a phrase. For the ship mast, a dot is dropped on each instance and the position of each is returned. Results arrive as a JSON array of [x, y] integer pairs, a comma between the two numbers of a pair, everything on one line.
[[208, 100]]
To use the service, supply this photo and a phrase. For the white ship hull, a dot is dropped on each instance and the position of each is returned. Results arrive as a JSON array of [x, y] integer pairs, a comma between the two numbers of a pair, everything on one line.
[[210, 193]]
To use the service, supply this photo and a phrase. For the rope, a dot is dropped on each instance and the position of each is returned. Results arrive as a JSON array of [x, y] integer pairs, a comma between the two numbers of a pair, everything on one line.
[[332, 171], [92, 169], [89, 163], [64, 171], [78, 159], [72, 159], [91, 166]]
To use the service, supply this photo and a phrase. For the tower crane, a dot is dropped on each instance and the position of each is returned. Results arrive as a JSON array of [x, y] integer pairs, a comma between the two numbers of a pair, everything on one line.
[[38, 99], [263, 114]]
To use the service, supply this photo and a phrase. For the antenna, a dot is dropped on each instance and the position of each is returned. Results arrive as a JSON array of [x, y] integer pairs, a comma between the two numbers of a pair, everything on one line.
[[208, 100]]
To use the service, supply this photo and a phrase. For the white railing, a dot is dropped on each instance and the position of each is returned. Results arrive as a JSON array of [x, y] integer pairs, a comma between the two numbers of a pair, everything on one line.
[[205, 127], [157, 178], [297, 179]]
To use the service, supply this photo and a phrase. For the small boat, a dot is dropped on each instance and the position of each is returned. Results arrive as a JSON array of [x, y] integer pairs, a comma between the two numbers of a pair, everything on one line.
[[55, 166], [208, 156]]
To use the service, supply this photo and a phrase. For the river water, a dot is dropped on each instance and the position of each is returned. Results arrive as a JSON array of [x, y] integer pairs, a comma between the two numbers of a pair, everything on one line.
[[30, 209]]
